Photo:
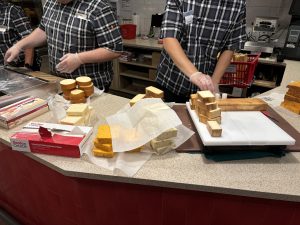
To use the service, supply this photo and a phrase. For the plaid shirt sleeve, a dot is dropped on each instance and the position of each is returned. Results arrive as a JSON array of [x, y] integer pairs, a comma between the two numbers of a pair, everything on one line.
[[107, 30], [21, 22], [238, 36], [173, 20]]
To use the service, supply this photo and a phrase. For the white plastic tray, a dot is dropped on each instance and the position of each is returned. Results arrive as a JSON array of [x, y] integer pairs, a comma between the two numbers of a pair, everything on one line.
[[243, 128]]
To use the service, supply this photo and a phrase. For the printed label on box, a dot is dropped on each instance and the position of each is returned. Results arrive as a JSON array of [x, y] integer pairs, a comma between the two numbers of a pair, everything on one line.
[[20, 145]]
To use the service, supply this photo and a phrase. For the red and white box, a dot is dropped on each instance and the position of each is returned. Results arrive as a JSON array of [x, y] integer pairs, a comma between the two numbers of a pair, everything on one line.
[[22, 111], [51, 139]]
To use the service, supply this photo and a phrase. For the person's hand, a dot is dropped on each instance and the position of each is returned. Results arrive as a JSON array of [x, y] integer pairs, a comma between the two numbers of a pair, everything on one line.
[[204, 82], [12, 53], [69, 63]]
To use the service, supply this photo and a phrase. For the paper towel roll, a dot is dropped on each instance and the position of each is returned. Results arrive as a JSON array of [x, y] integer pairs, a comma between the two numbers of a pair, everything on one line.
[[136, 21]]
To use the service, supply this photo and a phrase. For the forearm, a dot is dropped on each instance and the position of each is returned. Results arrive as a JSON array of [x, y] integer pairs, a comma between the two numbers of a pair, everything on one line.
[[97, 56], [223, 63], [29, 54], [174, 49], [36, 39]]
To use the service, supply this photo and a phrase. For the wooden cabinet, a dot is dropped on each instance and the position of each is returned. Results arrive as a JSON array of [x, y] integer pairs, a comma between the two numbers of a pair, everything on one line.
[[131, 77]]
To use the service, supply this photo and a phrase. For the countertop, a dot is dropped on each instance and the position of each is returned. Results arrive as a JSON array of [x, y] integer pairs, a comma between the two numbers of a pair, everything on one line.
[[270, 178]]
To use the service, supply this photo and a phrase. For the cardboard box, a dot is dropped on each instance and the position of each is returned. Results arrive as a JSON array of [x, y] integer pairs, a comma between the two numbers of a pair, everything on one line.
[[52, 139], [22, 111]]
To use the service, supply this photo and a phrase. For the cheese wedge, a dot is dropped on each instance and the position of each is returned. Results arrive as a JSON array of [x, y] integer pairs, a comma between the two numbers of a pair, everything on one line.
[[77, 110]]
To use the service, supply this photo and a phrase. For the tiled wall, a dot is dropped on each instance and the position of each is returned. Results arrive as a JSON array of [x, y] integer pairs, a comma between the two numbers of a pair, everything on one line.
[[269, 8]]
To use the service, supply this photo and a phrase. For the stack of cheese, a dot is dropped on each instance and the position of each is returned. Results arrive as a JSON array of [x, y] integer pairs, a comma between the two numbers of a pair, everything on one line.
[[292, 97], [77, 90], [151, 92], [77, 114], [204, 102], [164, 142], [103, 142]]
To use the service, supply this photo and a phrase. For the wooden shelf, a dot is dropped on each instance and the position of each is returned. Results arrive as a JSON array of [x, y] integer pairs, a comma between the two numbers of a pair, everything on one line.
[[265, 83], [142, 64], [135, 74]]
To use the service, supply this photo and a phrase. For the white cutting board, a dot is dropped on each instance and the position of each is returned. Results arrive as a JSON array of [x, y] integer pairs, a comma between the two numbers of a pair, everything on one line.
[[243, 128]]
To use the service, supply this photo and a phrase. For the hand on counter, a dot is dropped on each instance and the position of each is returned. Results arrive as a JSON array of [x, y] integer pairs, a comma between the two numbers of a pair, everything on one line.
[[12, 53], [69, 63], [203, 81]]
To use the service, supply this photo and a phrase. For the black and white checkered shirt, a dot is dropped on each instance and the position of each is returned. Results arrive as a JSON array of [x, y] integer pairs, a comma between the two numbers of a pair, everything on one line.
[[78, 27], [14, 25], [203, 28]]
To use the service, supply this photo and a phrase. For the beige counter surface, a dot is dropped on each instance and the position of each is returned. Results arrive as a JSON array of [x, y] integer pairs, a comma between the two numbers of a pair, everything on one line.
[[271, 178]]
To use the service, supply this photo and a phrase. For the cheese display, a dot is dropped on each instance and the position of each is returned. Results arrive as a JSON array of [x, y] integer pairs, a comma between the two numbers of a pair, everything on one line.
[[136, 99], [207, 110], [153, 92], [77, 90], [292, 97]]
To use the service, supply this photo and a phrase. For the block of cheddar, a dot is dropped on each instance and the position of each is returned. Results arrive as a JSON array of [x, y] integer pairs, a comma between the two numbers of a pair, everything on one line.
[[101, 153], [206, 96], [153, 92], [73, 120], [67, 84], [160, 144], [214, 128], [103, 147], [77, 110], [83, 81], [104, 135], [136, 99]]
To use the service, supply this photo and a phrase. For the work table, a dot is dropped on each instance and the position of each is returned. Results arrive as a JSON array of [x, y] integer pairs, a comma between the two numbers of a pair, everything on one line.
[[269, 178]]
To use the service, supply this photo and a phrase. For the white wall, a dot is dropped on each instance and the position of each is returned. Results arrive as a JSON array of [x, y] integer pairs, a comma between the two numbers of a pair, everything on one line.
[[268, 8]]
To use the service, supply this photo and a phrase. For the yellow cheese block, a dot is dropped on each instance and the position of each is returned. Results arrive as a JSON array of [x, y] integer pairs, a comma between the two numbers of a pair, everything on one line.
[[103, 147], [77, 110], [73, 120], [214, 128], [100, 153], [68, 84], [83, 81], [206, 96], [136, 99], [104, 135]]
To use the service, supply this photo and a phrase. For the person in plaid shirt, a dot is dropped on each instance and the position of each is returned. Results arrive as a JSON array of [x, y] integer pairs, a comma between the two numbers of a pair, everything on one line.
[[194, 32], [14, 26], [82, 37]]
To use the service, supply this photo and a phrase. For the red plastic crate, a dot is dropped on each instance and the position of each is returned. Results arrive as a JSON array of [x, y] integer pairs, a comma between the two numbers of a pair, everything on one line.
[[240, 74]]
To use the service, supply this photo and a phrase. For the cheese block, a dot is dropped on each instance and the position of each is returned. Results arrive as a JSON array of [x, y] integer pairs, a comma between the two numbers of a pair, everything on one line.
[[68, 84], [242, 104], [295, 85], [103, 147], [77, 94], [153, 92], [204, 119], [100, 153], [214, 128], [136, 99], [83, 81], [206, 96], [171, 133], [193, 101], [73, 120], [293, 93], [77, 110], [165, 149], [160, 144], [214, 113], [291, 98], [104, 135], [291, 106]]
